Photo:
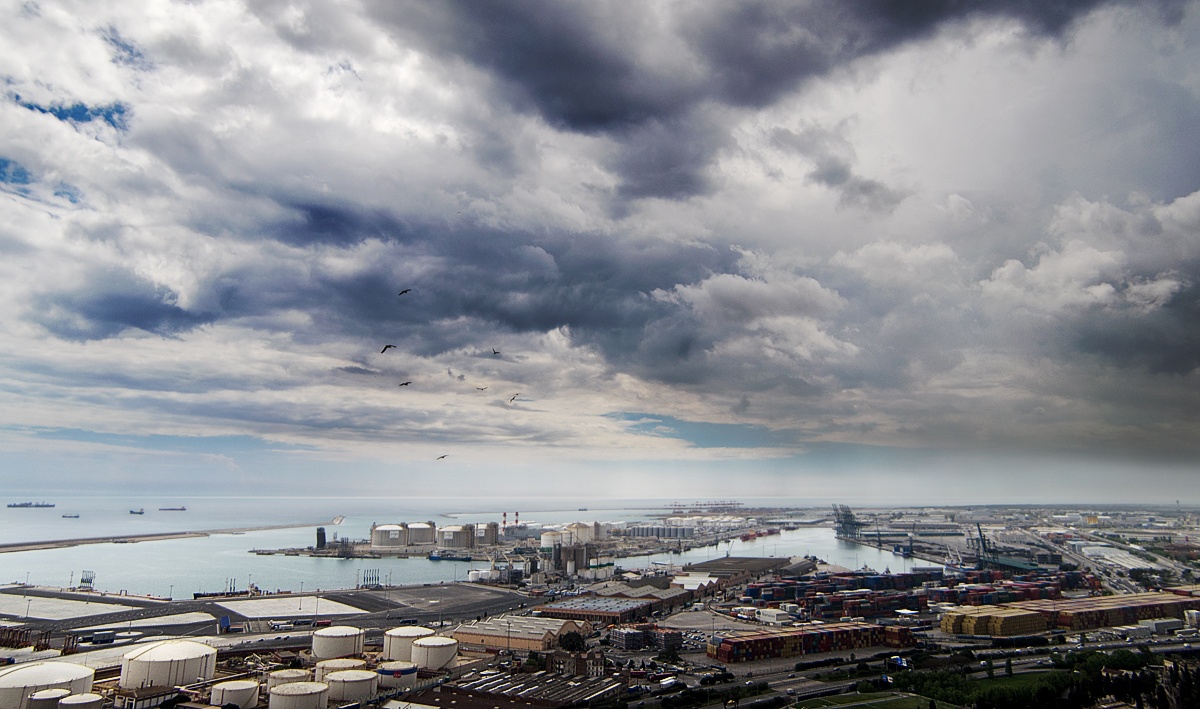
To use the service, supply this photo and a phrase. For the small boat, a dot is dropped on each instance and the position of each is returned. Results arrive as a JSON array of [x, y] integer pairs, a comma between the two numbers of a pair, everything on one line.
[[138, 511], [74, 516]]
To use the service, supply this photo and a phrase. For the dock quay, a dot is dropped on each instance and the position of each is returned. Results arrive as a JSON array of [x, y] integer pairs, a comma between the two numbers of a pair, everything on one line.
[[134, 538]]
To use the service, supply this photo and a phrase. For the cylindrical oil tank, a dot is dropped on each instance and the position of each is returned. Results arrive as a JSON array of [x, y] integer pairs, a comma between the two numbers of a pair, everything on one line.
[[299, 695], [422, 533], [434, 652], [325, 667], [288, 676], [337, 641], [242, 692], [549, 539], [397, 642], [168, 663], [46, 698], [389, 535], [17, 682], [397, 673], [351, 685], [87, 700]]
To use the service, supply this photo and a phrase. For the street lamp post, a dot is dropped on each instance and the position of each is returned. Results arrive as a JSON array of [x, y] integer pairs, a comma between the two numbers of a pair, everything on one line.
[[171, 593]]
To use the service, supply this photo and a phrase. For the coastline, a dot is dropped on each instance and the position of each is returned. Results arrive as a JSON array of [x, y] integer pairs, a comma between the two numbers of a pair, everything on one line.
[[134, 538]]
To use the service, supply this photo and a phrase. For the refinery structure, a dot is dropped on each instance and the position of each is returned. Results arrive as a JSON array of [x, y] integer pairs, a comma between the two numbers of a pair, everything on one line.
[[549, 618]]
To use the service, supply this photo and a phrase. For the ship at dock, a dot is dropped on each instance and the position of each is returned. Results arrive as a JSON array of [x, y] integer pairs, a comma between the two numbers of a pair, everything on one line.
[[25, 505]]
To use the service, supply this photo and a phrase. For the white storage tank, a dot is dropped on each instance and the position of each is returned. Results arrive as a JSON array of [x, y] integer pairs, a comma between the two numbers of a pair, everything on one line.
[[337, 641], [389, 535], [397, 673], [288, 676], [46, 698], [422, 533], [434, 652], [87, 700], [299, 695], [352, 685], [168, 663], [325, 667], [549, 539], [242, 692], [397, 642], [17, 682]]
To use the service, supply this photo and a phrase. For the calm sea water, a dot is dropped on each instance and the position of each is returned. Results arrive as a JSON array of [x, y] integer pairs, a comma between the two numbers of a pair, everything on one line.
[[179, 567]]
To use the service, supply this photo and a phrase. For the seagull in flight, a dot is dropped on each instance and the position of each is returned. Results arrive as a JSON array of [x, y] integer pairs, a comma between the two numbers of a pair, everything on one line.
[[514, 397], [495, 352], [386, 348], [481, 388], [406, 290], [404, 384], [442, 456]]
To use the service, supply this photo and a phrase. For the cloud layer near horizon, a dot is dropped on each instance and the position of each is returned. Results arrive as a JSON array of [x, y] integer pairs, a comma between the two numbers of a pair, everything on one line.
[[822, 223]]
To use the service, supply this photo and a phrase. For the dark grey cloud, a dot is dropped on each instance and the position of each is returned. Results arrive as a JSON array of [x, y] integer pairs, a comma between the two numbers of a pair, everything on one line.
[[111, 302], [833, 167], [1165, 340], [583, 68]]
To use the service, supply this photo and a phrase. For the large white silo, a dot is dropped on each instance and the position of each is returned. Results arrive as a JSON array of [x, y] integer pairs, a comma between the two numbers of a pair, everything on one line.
[[434, 652], [168, 663], [325, 667], [17, 682], [46, 698], [397, 673], [337, 641], [299, 695], [87, 700], [287, 676], [242, 692], [422, 533], [389, 535], [352, 685], [397, 642]]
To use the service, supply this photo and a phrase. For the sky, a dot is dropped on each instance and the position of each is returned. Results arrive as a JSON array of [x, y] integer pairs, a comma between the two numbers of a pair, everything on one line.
[[855, 250]]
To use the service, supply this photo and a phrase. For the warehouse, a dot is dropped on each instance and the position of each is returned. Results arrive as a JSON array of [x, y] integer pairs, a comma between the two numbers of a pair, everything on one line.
[[745, 646], [522, 633], [602, 611]]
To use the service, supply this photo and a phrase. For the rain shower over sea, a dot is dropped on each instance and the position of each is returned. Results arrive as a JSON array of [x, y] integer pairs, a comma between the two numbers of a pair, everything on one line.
[[180, 567]]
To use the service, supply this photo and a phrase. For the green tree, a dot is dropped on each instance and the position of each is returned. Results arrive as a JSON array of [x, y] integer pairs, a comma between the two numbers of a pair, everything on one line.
[[572, 642]]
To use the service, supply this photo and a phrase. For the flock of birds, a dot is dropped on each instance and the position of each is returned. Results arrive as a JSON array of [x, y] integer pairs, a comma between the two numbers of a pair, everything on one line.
[[495, 353]]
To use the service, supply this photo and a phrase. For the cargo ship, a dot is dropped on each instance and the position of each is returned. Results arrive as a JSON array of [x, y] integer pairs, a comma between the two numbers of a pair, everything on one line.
[[24, 505], [138, 511], [181, 508], [71, 516]]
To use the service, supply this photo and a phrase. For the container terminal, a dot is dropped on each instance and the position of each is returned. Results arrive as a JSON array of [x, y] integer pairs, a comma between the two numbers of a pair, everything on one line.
[[558, 626]]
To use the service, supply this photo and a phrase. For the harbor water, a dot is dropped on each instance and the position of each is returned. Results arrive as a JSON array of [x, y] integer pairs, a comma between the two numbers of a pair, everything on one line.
[[181, 567]]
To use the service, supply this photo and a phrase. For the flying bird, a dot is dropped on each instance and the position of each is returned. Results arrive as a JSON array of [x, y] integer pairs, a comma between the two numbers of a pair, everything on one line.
[[386, 348], [406, 290], [404, 384], [481, 388], [495, 352], [442, 456], [514, 397]]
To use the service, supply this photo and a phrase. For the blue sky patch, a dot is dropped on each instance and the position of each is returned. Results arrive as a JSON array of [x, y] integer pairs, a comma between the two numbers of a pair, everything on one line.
[[13, 173], [707, 435], [114, 114]]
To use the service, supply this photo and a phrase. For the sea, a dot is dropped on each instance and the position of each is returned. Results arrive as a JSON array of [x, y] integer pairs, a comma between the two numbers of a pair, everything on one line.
[[177, 568]]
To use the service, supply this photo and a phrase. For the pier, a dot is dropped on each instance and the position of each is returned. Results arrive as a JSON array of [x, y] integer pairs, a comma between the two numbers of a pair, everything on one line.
[[132, 538]]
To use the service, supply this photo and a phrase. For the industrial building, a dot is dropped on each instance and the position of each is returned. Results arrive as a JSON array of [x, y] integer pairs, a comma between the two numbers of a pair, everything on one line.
[[522, 633], [744, 646], [604, 611]]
